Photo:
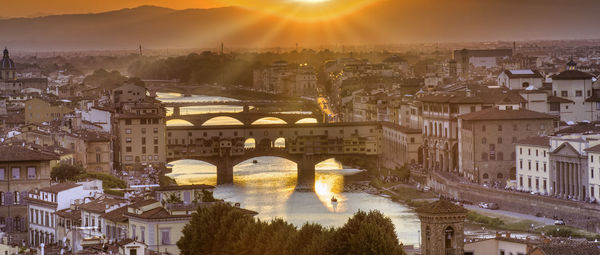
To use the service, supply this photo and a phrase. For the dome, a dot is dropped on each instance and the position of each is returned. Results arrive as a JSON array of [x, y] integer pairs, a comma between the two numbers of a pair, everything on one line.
[[6, 63]]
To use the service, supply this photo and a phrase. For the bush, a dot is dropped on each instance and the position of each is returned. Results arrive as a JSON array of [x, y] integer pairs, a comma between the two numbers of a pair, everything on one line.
[[113, 192], [108, 181]]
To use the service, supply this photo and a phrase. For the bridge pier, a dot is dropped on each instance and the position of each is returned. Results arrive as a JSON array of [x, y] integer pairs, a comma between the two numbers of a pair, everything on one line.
[[306, 172], [224, 171], [176, 110]]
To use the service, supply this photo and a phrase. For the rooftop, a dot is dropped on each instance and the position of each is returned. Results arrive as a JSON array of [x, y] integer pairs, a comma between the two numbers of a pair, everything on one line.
[[526, 73], [184, 187], [60, 187], [572, 75], [497, 114], [12, 153], [441, 207]]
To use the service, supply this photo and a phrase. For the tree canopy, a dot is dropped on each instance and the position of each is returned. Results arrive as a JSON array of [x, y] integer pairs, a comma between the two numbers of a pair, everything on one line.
[[66, 172], [224, 229]]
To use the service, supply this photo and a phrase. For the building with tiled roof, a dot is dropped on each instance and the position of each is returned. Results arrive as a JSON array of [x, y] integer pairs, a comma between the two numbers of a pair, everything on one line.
[[488, 137], [442, 220], [520, 79], [567, 247], [575, 86], [22, 169], [533, 164]]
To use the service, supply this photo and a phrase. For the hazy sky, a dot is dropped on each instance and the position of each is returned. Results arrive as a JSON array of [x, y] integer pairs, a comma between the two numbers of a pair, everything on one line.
[[26, 8]]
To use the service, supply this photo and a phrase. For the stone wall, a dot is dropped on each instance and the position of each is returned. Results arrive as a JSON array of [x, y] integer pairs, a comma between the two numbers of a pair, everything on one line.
[[579, 214]]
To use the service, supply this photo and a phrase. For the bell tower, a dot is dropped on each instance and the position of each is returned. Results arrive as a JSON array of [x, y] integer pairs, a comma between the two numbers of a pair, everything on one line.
[[442, 228]]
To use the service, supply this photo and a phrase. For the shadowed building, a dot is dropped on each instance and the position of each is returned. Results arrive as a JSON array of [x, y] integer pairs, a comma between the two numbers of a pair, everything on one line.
[[442, 228]]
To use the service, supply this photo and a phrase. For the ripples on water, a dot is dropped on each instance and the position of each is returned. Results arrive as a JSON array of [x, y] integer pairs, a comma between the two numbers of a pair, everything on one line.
[[268, 186]]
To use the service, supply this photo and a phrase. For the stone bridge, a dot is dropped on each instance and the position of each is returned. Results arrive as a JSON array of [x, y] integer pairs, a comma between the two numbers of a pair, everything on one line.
[[246, 117], [306, 145]]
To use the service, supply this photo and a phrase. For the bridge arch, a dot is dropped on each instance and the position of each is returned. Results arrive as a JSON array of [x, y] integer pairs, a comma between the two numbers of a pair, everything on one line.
[[250, 143], [222, 120], [268, 121], [279, 143], [307, 121], [179, 123]]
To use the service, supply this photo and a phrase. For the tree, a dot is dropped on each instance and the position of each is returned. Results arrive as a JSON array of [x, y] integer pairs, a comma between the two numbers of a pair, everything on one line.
[[207, 196], [224, 229], [66, 172]]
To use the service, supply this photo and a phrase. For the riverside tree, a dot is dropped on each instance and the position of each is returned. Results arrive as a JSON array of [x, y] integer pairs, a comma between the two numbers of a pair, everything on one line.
[[224, 229]]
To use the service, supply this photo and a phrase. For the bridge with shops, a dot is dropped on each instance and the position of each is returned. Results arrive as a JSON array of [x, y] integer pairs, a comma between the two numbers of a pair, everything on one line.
[[304, 144]]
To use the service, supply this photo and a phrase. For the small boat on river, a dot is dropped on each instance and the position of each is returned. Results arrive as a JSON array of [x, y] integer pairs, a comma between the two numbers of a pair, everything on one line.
[[333, 199]]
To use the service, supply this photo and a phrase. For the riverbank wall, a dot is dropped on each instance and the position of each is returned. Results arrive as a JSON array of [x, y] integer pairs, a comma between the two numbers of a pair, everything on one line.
[[574, 213]]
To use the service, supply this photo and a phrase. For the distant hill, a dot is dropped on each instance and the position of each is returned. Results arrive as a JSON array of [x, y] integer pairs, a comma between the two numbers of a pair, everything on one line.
[[391, 21]]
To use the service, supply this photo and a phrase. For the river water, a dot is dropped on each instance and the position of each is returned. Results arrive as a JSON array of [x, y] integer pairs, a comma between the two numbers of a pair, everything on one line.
[[268, 187]]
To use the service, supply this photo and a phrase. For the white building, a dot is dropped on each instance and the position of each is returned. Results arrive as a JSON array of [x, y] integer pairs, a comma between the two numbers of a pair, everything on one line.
[[42, 207], [576, 87], [98, 116], [533, 164], [594, 171], [520, 79]]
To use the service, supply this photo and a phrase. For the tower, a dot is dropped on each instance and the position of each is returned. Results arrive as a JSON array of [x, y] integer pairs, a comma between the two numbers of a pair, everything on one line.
[[8, 70], [442, 228], [571, 65]]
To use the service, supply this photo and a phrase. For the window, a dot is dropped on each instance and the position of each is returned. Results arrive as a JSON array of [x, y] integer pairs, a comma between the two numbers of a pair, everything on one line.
[[155, 140], [564, 93], [143, 130], [155, 149], [521, 180], [133, 232], [128, 149], [98, 158], [537, 166], [128, 122], [143, 234], [536, 152], [483, 140], [127, 139], [16, 173], [537, 184], [578, 93], [144, 150], [31, 173], [554, 107], [143, 140], [592, 158], [544, 167], [520, 164], [499, 127], [483, 128], [165, 236], [473, 109], [128, 131], [529, 152], [499, 176], [2, 174], [529, 165], [499, 140], [520, 151], [155, 130], [529, 182], [592, 172], [486, 176], [544, 184]]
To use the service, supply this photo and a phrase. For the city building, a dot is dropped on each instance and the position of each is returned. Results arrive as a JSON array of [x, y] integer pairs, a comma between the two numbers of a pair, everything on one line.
[[9, 84], [594, 171], [533, 165], [38, 111], [521, 79], [43, 205], [401, 145], [487, 138], [501, 244], [284, 78], [21, 169], [574, 87]]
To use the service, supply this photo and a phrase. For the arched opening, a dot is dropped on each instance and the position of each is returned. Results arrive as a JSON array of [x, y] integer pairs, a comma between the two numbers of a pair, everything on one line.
[[486, 176], [449, 237], [268, 121], [189, 171], [307, 121], [179, 123], [525, 84], [279, 143], [499, 176], [223, 121], [250, 143]]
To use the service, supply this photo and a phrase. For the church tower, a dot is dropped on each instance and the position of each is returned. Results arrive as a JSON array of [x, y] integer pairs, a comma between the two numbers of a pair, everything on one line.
[[442, 228], [8, 70]]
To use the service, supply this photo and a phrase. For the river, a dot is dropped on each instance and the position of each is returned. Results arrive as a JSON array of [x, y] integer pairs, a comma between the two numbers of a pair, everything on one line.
[[268, 187]]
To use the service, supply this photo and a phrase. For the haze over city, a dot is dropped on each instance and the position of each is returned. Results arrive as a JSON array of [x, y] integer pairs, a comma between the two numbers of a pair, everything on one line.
[[300, 127]]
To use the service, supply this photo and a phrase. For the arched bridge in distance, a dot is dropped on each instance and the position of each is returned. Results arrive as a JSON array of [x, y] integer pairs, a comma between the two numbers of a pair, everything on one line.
[[305, 144]]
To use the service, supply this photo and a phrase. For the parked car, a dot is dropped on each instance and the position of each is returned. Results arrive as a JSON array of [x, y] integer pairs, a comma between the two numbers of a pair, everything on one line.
[[426, 188], [483, 205], [559, 222], [492, 206]]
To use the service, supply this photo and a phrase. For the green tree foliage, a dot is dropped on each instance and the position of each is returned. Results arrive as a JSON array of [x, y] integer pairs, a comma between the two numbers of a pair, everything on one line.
[[66, 172], [207, 196], [108, 181], [105, 79], [224, 229]]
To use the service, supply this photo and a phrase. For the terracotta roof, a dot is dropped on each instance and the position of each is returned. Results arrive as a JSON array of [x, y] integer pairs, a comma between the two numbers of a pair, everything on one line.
[[581, 128], [143, 203], [497, 114], [156, 213], [536, 140], [184, 187], [571, 248], [117, 215], [60, 187], [478, 96], [554, 99], [11, 153], [594, 148], [572, 75], [70, 214], [99, 205], [440, 207]]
